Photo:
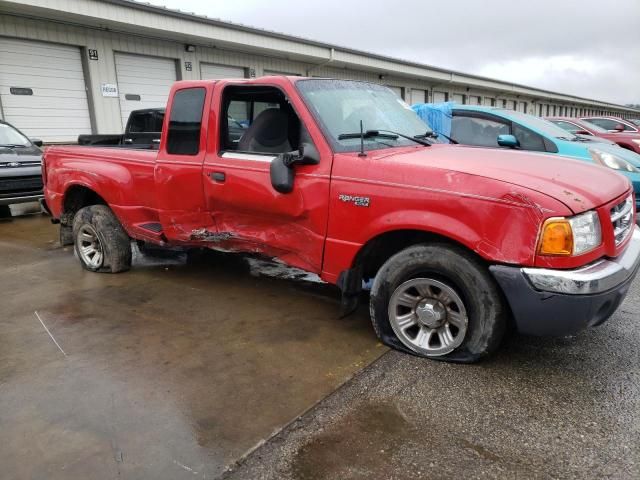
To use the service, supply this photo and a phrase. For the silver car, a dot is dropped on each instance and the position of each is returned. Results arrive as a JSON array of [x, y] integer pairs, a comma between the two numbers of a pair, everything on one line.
[[20, 168]]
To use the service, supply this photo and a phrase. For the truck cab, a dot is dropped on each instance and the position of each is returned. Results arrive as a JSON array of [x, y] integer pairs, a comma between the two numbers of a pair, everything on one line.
[[342, 179]]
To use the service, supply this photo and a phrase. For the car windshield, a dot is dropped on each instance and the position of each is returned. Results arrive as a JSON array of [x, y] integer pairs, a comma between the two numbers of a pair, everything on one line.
[[9, 136], [569, 126], [340, 106], [543, 126]]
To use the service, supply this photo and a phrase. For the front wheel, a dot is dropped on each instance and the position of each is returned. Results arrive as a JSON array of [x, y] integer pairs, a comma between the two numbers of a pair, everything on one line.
[[438, 301], [100, 242]]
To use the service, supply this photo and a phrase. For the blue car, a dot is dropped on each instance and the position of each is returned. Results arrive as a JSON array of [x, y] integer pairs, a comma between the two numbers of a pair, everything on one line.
[[501, 128]]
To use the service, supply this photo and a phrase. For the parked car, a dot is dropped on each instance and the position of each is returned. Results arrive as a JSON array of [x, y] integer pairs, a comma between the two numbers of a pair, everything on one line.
[[613, 124], [20, 168], [635, 121], [339, 178], [142, 131], [630, 141], [500, 128]]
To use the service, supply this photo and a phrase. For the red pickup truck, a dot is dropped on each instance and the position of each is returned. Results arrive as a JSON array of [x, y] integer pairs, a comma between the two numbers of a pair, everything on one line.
[[342, 179]]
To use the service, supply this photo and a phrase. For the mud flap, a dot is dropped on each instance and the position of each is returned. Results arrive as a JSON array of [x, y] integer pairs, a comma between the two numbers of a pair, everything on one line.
[[350, 284]]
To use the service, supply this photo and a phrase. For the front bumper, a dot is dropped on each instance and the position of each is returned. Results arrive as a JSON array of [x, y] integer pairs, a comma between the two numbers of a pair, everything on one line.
[[563, 302], [21, 199]]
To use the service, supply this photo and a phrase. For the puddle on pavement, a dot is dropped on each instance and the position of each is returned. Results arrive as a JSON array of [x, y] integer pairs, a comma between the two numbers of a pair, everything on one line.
[[173, 363], [368, 437]]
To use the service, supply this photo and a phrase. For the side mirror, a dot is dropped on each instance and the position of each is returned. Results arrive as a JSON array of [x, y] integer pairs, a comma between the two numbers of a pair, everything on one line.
[[508, 141], [36, 141], [282, 167], [282, 174], [308, 155]]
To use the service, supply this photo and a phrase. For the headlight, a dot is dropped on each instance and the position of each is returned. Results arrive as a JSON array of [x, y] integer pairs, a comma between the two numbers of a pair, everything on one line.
[[570, 236], [612, 161], [636, 141]]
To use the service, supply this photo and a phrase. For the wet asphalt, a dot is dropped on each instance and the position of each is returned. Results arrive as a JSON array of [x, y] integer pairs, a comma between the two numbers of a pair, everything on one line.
[[172, 370], [205, 370], [564, 408]]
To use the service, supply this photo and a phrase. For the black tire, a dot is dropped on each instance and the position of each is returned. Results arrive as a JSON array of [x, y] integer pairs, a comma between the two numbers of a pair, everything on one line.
[[5, 211], [486, 311], [113, 241]]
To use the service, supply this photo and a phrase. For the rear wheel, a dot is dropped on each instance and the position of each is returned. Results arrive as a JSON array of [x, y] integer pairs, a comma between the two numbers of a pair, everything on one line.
[[5, 211], [438, 301], [101, 243]]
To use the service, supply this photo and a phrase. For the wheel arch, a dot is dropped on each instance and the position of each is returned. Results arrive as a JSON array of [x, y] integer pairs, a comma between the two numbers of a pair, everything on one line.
[[377, 250], [75, 197]]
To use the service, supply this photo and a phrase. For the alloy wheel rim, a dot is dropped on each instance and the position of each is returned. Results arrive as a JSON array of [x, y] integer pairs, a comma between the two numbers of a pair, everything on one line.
[[428, 316], [89, 246]]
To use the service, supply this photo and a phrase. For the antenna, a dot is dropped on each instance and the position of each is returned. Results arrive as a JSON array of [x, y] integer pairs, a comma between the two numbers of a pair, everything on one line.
[[361, 154]]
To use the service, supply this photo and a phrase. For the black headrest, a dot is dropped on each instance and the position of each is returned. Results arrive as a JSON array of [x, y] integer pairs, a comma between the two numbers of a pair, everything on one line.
[[270, 128]]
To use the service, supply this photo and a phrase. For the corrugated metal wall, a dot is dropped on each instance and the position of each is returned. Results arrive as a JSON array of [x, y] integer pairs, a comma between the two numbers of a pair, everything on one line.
[[106, 111]]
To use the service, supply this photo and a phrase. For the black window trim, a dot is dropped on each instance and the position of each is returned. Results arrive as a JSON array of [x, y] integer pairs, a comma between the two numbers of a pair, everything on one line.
[[221, 150]]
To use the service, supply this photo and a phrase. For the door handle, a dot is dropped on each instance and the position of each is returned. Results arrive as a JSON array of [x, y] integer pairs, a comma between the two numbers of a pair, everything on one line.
[[218, 176]]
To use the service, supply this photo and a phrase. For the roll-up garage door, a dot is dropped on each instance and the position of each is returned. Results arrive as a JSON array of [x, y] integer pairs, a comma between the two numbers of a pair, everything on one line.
[[439, 97], [143, 82], [42, 90], [396, 90], [209, 71], [418, 96]]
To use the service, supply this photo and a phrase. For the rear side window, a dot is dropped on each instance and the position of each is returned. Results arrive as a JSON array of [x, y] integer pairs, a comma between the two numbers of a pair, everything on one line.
[[569, 127], [185, 121], [608, 124], [146, 122]]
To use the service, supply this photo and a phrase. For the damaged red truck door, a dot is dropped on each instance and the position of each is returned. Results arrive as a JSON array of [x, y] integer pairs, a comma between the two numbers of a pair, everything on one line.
[[342, 179], [249, 213]]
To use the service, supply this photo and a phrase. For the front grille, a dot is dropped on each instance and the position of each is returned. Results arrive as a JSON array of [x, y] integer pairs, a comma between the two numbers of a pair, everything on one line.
[[18, 185], [622, 219], [29, 163]]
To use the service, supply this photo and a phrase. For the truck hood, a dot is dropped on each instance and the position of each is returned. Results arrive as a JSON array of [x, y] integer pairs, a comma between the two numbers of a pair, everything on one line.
[[20, 154], [578, 184]]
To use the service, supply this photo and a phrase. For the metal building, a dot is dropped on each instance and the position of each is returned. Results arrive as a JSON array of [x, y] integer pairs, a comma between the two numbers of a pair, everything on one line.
[[80, 66]]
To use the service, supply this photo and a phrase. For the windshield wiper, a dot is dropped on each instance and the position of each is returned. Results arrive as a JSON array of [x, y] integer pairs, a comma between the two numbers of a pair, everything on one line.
[[388, 134], [11, 145], [436, 135]]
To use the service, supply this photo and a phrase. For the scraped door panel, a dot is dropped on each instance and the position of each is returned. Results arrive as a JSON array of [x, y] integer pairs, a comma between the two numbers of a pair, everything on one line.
[[251, 216]]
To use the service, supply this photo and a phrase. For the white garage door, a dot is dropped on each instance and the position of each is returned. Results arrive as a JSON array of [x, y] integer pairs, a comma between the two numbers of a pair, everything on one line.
[[143, 82], [439, 97], [209, 71], [458, 98], [396, 90], [418, 96], [42, 90]]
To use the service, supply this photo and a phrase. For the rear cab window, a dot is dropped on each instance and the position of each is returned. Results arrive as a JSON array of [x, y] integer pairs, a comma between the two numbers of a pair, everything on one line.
[[185, 121]]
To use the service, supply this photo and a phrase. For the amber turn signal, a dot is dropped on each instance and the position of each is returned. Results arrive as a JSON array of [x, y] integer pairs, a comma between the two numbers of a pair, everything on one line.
[[556, 238]]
